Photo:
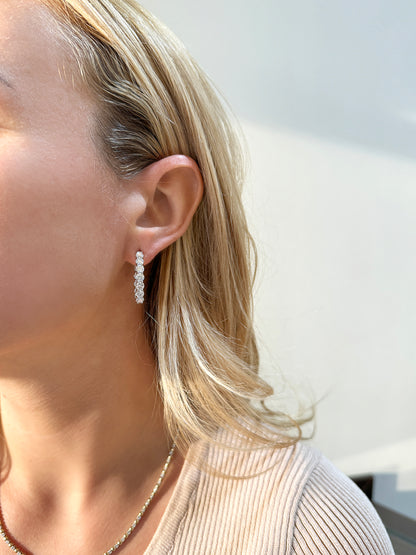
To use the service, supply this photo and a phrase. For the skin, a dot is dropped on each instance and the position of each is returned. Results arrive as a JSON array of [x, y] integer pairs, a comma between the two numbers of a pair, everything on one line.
[[84, 437]]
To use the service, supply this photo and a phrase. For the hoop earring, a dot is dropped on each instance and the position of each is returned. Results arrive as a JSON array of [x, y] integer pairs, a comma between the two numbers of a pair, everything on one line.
[[139, 279]]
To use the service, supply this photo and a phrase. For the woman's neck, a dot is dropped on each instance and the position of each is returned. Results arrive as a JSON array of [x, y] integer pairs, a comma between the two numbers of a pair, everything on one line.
[[79, 413]]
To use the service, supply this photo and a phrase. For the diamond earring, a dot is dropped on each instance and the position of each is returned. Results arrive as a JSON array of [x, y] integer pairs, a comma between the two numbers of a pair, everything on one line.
[[139, 278]]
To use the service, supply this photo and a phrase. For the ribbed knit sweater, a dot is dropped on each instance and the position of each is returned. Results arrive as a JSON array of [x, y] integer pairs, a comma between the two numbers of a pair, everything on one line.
[[288, 501]]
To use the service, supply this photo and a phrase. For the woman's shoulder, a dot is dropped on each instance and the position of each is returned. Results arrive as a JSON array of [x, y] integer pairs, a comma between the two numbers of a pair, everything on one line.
[[289, 500], [333, 514], [299, 498]]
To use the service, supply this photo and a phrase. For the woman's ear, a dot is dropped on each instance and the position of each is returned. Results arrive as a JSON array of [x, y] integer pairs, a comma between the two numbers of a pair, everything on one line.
[[161, 202]]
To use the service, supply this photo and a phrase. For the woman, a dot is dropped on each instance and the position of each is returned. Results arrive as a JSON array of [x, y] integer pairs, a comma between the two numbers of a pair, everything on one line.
[[116, 158]]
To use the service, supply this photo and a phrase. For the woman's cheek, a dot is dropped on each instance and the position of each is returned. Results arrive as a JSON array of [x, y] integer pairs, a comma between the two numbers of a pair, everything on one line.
[[51, 224]]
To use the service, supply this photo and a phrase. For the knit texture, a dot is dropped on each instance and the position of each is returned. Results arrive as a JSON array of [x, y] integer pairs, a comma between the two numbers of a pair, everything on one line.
[[286, 501]]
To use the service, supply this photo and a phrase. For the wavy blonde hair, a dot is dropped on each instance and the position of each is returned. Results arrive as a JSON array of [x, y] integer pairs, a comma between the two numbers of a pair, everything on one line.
[[155, 101]]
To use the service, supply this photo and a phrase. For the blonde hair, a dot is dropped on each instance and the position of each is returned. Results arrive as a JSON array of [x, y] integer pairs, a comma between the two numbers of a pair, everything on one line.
[[155, 101]]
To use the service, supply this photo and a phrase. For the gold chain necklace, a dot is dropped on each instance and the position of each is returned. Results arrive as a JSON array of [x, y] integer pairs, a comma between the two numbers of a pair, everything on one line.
[[121, 541]]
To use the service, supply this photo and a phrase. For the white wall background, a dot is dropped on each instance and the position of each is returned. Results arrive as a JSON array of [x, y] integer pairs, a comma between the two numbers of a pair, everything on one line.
[[326, 92]]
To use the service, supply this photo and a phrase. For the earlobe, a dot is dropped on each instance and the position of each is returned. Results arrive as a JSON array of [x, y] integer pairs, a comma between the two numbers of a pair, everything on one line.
[[172, 189]]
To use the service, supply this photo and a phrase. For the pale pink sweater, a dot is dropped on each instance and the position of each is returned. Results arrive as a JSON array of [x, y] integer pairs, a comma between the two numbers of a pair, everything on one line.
[[293, 501]]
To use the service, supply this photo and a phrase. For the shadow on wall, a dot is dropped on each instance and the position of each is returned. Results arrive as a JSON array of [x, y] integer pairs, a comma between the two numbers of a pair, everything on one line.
[[338, 70]]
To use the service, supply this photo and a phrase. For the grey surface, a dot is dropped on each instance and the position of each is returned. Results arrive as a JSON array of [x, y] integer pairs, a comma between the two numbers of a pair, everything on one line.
[[402, 547], [402, 530]]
